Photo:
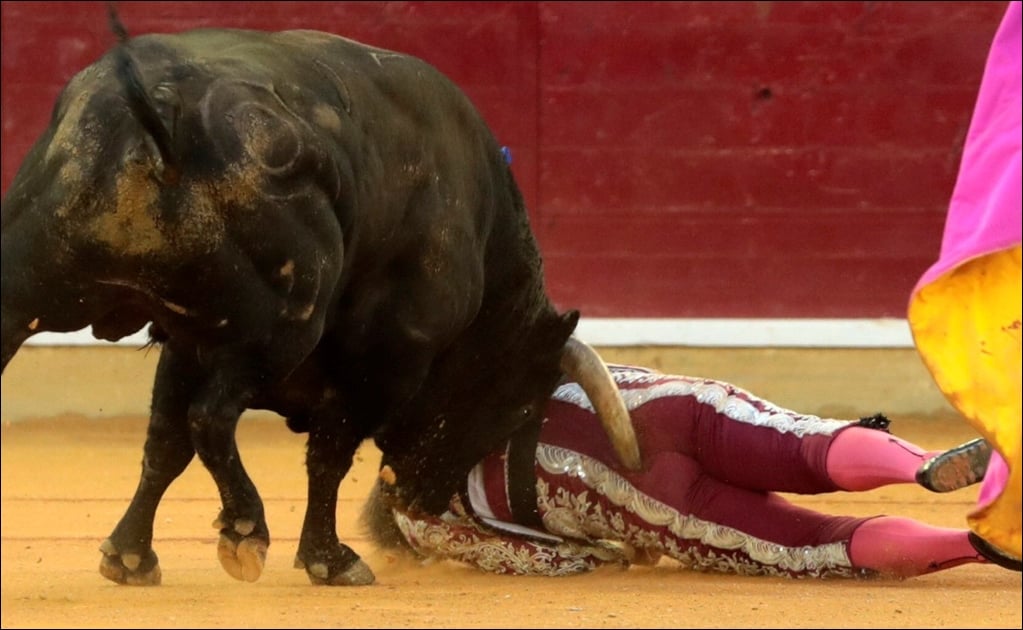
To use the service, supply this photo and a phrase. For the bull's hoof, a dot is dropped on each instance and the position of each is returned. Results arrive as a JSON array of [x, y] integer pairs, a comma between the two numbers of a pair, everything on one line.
[[241, 550], [130, 568], [243, 558], [357, 573]]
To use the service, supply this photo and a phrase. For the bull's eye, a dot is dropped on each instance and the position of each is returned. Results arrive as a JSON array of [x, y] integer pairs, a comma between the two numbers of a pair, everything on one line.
[[526, 411]]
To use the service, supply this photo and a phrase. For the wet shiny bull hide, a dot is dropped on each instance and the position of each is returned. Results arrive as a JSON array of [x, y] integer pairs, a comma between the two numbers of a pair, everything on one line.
[[312, 226]]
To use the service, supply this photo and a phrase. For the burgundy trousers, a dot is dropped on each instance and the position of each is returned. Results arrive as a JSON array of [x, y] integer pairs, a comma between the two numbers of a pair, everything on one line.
[[715, 458]]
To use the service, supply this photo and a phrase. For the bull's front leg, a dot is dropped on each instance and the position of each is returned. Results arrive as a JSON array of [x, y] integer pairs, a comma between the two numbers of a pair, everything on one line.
[[128, 556], [331, 447]]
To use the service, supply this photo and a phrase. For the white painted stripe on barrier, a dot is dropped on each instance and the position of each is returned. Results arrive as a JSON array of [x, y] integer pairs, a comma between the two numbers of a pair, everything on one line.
[[698, 332], [737, 333], [84, 337]]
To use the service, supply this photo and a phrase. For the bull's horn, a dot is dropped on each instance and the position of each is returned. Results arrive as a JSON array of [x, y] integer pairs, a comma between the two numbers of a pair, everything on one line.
[[583, 365]]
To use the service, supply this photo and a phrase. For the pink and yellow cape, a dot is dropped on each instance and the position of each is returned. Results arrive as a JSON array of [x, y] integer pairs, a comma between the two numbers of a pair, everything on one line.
[[964, 312]]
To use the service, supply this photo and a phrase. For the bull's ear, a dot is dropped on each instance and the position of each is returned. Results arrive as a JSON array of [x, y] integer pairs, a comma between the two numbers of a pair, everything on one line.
[[569, 320], [551, 334]]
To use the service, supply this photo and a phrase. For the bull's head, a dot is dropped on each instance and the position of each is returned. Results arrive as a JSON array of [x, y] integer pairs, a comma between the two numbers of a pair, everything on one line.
[[471, 404]]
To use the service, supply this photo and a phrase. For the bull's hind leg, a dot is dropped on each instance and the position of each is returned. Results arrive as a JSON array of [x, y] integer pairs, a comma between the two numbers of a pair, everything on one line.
[[128, 556], [212, 420], [326, 560]]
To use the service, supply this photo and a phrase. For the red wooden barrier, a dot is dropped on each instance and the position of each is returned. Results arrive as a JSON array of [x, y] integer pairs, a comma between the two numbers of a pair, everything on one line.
[[680, 159]]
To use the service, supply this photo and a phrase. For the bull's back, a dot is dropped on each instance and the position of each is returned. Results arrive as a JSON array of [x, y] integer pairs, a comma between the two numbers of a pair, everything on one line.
[[332, 175], [378, 105], [400, 149]]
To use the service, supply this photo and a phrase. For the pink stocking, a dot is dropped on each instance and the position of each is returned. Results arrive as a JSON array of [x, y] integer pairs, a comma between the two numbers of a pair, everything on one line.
[[902, 547], [863, 459]]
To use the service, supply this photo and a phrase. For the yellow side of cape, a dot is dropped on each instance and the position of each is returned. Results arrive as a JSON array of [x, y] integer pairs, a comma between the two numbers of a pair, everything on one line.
[[966, 325]]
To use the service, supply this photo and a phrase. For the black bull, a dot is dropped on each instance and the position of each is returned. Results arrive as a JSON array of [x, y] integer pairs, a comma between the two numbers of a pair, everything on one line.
[[311, 226]]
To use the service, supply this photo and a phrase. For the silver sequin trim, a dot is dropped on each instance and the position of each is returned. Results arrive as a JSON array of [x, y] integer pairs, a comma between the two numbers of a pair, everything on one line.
[[576, 516], [734, 402]]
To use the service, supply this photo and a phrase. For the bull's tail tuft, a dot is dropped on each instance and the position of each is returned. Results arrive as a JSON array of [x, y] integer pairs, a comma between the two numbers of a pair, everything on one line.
[[377, 520]]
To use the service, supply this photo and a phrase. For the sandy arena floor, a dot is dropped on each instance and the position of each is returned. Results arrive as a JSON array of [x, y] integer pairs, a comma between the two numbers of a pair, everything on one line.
[[66, 481]]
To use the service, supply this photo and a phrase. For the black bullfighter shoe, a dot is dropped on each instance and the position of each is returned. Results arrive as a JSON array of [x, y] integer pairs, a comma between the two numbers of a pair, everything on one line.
[[993, 553], [956, 468]]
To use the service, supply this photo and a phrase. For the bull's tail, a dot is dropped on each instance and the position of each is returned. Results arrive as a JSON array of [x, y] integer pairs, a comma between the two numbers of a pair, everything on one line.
[[116, 25], [142, 106]]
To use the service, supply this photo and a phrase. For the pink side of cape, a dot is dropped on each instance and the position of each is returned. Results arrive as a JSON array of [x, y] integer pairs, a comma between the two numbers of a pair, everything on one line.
[[984, 213], [995, 478]]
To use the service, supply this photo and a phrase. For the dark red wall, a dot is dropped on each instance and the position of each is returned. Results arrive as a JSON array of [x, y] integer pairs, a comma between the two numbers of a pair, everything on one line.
[[680, 159]]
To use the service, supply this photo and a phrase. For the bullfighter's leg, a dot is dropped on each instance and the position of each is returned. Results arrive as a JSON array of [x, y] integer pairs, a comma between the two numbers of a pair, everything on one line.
[[128, 556], [331, 447], [715, 455], [709, 525], [742, 439]]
